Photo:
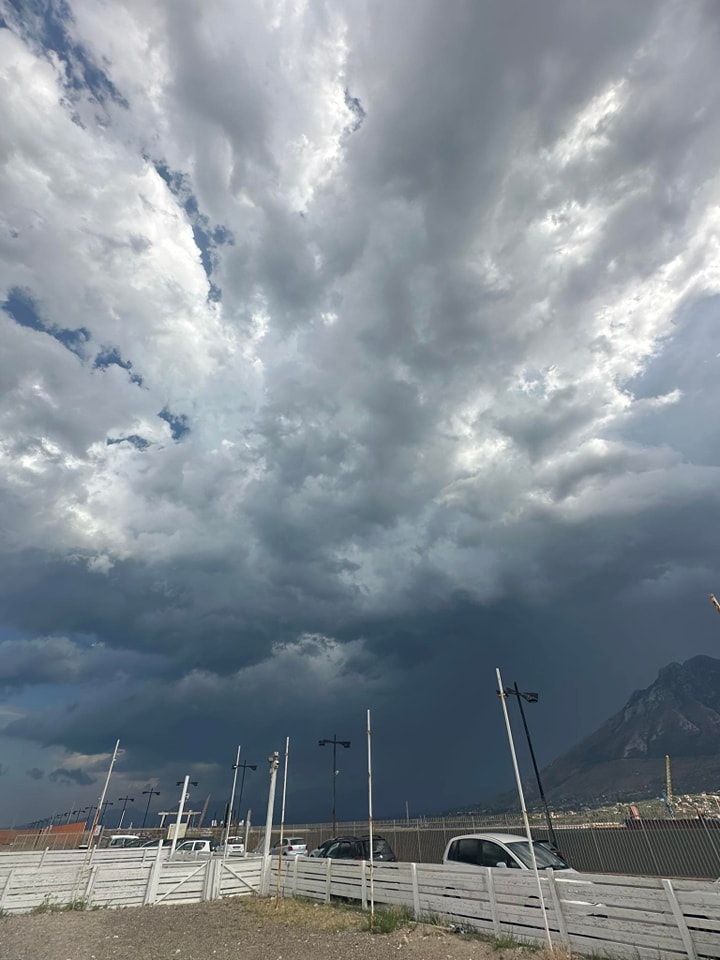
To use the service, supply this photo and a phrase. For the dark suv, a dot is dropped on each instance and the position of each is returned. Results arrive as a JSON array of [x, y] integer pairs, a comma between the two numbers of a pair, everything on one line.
[[356, 848]]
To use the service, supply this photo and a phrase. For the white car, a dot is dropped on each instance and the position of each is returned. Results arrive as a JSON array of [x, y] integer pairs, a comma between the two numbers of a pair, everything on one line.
[[123, 840], [291, 847], [235, 845], [501, 850], [508, 850], [196, 846]]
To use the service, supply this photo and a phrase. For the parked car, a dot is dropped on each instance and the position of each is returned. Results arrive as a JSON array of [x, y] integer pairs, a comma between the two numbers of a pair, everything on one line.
[[501, 850], [355, 848], [205, 845], [507, 850], [155, 843], [291, 847], [119, 840], [235, 845]]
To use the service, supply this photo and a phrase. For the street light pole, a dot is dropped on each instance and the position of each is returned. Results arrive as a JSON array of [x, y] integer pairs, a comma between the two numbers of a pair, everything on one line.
[[98, 811], [151, 794], [125, 803], [245, 766], [533, 698], [335, 744], [232, 802], [274, 761], [181, 805]]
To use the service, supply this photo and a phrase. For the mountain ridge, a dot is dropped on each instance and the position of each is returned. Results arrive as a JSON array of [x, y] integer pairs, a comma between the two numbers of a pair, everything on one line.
[[624, 759]]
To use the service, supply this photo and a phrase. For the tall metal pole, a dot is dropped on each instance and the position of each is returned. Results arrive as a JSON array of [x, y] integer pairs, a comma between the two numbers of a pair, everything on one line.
[[181, 807], [274, 761], [122, 815], [282, 820], [370, 824], [151, 794], [101, 801], [335, 743], [521, 795], [548, 818], [245, 766], [232, 801], [334, 783]]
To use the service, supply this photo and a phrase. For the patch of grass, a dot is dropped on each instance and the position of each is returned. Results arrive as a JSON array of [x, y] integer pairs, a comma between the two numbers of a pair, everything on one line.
[[304, 912], [390, 919], [508, 941], [50, 905]]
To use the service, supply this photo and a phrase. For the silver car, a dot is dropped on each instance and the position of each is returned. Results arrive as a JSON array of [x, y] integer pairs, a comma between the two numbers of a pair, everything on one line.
[[291, 847]]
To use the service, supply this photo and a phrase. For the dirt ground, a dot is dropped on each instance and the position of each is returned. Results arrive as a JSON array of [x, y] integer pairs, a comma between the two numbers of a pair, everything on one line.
[[229, 930]]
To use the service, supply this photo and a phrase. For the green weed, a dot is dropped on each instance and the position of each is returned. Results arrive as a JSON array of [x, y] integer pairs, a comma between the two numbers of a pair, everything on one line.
[[390, 919], [50, 905]]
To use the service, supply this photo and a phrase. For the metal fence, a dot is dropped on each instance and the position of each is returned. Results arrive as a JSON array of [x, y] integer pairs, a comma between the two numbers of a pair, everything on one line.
[[683, 848], [672, 848]]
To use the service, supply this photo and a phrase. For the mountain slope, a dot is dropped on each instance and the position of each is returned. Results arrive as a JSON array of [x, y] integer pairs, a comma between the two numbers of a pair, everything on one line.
[[679, 715]]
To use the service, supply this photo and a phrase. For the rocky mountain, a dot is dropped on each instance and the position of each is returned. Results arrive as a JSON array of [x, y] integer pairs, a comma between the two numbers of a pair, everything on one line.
[[678, 715]]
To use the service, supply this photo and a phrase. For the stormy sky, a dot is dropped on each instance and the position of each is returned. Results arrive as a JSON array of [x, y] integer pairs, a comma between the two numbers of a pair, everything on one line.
[[348, 351]]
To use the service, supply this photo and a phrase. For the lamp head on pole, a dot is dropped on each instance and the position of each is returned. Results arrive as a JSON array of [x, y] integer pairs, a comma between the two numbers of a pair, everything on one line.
[[528, 695]]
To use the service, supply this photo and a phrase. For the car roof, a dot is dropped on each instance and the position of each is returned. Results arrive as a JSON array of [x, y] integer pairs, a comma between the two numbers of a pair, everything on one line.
[[498, 837]]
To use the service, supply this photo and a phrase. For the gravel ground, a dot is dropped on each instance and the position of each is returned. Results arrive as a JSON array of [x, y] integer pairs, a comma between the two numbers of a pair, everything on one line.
[[241, 928]]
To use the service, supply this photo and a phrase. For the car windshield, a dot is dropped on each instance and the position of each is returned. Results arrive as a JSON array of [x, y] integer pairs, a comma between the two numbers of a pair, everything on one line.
[[544, 857]]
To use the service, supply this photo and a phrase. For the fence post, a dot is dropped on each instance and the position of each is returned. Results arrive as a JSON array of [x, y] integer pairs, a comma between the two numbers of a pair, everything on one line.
[[679, 919], [90, 883], [493, 901], [208, 879], [217, 881], [363, 884], [294, 876], [153, 878], [328, 880], [415, 890], [557, 904]]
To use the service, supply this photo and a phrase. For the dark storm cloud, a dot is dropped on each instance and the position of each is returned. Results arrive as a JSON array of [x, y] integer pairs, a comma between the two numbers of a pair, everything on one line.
[[35, 773], [453, 407], [79, 777]]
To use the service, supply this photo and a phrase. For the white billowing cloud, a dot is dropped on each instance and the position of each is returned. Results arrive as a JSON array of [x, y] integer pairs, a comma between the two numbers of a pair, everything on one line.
[[422, 361]]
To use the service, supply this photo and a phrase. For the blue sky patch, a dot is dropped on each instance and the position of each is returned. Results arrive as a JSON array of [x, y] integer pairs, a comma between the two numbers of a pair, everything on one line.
[[178, 423], [111, 357], [22, 307], [46, 23], [207, 239], [134, 439]]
